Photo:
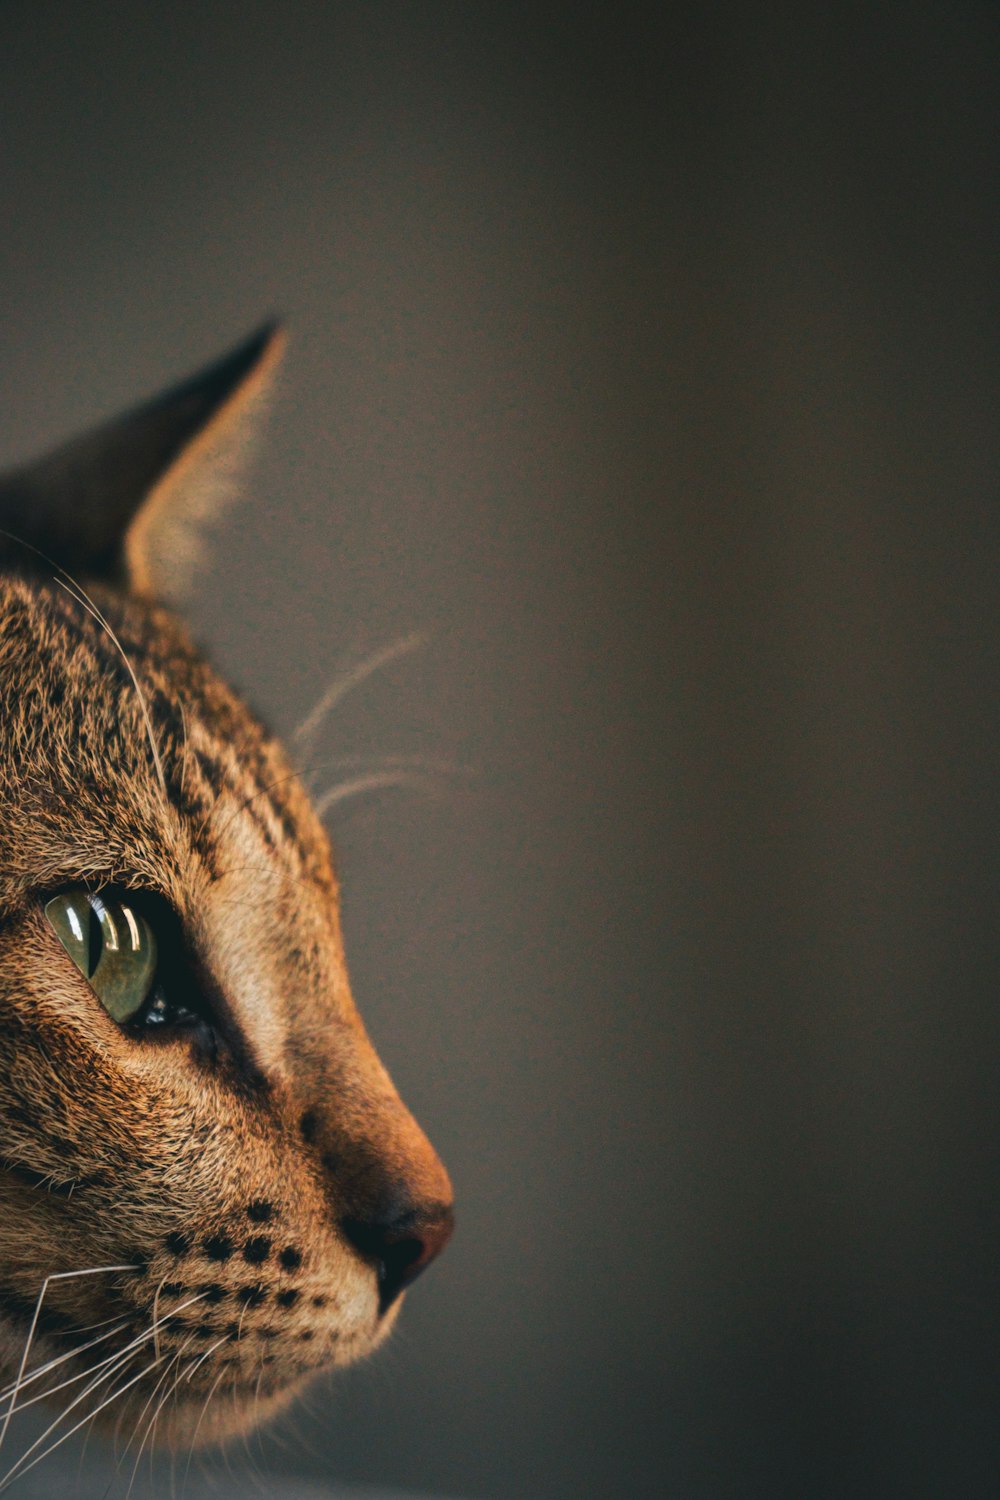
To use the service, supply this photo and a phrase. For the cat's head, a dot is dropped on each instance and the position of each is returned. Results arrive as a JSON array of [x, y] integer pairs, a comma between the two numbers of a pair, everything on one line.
[[199, 1148]]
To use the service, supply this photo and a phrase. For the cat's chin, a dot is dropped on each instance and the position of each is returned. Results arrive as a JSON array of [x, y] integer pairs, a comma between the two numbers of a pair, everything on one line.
[[227, 1413]]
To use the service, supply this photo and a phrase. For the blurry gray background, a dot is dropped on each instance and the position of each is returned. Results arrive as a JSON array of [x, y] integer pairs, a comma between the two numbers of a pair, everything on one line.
[[647, 360]]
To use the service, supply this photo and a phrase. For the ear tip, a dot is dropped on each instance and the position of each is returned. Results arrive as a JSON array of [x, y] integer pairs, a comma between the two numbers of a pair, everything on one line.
[[263, 347], [236, 375], [272, 332]]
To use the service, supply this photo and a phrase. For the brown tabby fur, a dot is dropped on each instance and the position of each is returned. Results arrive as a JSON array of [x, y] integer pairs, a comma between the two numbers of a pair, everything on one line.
[[225, 1180]]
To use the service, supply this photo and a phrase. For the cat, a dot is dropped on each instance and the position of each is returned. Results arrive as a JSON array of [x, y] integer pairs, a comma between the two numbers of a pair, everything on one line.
[[210, 1190]]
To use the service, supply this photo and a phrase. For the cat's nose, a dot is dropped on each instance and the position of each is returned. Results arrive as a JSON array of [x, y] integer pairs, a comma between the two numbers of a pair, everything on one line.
[[400, 1238]]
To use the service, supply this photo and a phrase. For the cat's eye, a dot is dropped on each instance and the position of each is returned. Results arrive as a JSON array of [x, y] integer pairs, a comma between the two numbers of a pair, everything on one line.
[[112, 945]]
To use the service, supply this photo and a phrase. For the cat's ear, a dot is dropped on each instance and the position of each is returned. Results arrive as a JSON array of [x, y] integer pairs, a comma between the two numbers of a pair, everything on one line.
[[128, 501]]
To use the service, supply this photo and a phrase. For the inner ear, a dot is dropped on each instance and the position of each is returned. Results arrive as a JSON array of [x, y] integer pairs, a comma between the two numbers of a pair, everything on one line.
[[128, 501]]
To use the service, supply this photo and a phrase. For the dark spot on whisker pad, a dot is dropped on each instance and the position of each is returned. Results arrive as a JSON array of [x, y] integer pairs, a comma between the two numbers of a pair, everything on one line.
[[291, 1258], [252, 1296], [219, 1247], [260, 1211], [213, 1292], [309, 1125], [172, 1289], [177, 1243], [287, 1299], [256, 1251]]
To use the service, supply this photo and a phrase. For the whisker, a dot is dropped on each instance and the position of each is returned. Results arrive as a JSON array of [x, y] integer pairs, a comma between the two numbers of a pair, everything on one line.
[[433, 765], [254, 1468], [129, 1348], [135, 1426], [117, 1362], [151, 1424], [56, 1276], [194, 1436], [87, 1327], [352, 679], [117, 1365], [13, 1473], [152, 1332], [361, 784], [76, 591], [82, 597], [256, 1399], [392, 770], [187, 1374], [156, 1321], [88, 1434], [184, 746], [226, 1452], [202, 1358], [52, 1364], [72, 1379], [241, 807]]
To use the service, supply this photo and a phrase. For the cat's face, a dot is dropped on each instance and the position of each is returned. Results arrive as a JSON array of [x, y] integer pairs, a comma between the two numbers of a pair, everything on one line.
[[241, 1156]]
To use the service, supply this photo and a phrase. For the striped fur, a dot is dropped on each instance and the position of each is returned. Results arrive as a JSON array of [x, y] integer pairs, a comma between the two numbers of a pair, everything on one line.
[[223, 1182]]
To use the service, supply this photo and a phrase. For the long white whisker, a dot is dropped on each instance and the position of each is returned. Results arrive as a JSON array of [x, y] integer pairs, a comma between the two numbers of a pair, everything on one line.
[[433, 765], [135, 1426], [142, 1338], [56, 1276], [76, 1428], [72, 1379], [109, 1374], [201, 1360], [256, 1419], [78, 593], [159, 1407], [345, 684], [53, 1364], [129, 1348], [151, 1332], [156, 1318], [89, 1327], [186, 1376], [184, 744], [201, 1417], [261, 792], [361, 784]]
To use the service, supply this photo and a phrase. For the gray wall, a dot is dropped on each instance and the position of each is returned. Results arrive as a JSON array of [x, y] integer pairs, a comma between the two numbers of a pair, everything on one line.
[[650, 365]]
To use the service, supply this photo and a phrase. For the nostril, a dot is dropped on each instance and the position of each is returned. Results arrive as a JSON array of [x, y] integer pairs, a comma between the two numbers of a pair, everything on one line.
[[401, 1249], [399, 1267]]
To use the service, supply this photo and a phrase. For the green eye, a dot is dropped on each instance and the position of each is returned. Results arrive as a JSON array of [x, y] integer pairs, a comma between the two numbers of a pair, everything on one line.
[[111, 944]]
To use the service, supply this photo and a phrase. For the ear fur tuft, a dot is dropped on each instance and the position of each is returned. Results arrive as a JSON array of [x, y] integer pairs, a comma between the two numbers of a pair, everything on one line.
[[128, 501]]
